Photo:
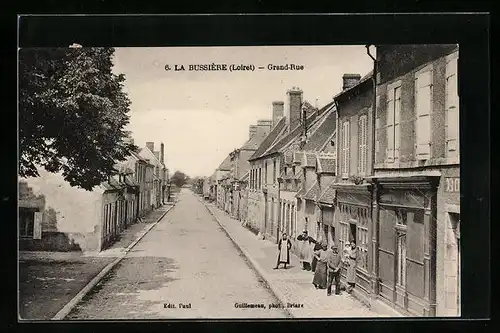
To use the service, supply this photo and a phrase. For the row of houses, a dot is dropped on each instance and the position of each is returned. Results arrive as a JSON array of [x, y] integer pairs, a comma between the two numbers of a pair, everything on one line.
[[378, 165], [55, 216]]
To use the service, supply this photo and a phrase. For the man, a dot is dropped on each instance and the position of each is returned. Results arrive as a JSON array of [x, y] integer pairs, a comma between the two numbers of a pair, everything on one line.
[[334, 264], [284, 246]]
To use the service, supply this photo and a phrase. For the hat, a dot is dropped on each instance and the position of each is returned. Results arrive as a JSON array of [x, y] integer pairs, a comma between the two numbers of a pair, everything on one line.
[[334, 247]]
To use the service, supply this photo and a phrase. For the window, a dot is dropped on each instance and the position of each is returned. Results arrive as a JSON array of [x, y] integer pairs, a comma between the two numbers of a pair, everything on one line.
[[362, 238], [265, 173], [423, 106], [26, 222], [362, 141], [345, 149], [452, 107], [393, 120], [274, 172], [401, 260]]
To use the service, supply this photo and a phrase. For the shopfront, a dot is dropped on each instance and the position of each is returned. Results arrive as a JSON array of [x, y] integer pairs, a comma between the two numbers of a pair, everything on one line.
[[353, 223], [407, 243]]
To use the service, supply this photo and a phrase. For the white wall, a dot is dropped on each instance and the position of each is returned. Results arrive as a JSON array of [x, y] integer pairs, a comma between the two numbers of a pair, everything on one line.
[[77, 210]]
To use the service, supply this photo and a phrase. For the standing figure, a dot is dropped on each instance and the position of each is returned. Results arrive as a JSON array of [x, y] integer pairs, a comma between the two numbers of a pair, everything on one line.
[[334, 265], [284, 246], [315, 248], [351, 268], [319, 280], [305, 250]]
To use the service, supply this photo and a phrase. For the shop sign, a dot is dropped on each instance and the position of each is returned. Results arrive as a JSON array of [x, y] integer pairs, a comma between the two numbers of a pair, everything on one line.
[[452, 184]]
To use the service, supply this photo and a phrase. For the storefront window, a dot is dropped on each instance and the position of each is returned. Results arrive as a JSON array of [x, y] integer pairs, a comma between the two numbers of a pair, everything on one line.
[[401, 262]]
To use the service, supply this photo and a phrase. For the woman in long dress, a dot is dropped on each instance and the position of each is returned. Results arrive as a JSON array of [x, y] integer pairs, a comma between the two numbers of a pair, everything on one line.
[[351, 268], [320, 281], [316, 246], [284, 246], [305, 253]]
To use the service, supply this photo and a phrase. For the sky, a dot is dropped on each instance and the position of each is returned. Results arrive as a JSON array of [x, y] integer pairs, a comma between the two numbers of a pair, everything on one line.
[[201, 116]]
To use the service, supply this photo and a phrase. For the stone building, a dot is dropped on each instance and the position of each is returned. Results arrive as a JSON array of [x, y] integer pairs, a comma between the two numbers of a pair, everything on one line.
[[417, 179]]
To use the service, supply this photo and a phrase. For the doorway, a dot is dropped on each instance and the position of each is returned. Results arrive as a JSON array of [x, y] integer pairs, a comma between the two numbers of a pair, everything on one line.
[[452, 262]]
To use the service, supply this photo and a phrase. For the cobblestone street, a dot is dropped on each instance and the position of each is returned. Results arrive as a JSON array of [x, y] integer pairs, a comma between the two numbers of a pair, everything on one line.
[[185, 259]]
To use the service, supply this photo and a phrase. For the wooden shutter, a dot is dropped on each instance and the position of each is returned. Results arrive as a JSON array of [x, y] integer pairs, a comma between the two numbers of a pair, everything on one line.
[[424, 107], [347, 148], [397, 114], [390, 126], [365, 143], [37, 227], [362, 129], [452, 107]]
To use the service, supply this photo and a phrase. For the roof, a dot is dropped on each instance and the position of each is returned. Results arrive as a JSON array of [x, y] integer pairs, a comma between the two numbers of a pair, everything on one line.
[[355, 87], [328, 195], [269, 140], [312, 193], [326, 164], [254, 142], [245, 177], [226, 164], [322, 133], [309, 160]]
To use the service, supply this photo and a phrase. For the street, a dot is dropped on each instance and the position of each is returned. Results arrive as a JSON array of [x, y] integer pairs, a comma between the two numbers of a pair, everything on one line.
[[185, 267]]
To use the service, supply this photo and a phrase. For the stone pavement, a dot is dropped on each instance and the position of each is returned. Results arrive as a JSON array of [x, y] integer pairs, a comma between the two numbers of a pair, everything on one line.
[[292, 285]]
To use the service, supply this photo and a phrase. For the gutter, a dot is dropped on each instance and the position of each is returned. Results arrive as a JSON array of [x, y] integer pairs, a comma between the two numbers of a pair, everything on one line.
[[374, 107]]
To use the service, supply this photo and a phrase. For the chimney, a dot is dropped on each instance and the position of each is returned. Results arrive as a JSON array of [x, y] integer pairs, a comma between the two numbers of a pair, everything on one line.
[[350, 80], [278, 111], [162, 153], [252, 130], [293, 112], [263, 127], [151, 146]]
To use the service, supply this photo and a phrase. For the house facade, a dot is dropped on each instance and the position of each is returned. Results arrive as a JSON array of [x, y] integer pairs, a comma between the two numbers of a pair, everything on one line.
[[417, 179], [353, 203], [159, 176], [55, 216]]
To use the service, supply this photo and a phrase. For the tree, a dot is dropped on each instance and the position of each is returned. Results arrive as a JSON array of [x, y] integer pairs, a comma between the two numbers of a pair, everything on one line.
[[72, 114], [179, 179]]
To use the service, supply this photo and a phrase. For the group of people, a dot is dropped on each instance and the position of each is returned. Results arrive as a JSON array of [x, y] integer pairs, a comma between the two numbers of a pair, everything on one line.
[[325, 263]]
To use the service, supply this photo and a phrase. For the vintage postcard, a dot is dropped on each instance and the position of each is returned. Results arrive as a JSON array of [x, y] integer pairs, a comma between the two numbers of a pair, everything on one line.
[[239, 182]]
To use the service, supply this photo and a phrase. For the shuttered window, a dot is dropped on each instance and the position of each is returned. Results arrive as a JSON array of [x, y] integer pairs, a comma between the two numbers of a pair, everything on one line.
[[362, 148], [452, 108], [393, 122], [345, 149], [423, 106]]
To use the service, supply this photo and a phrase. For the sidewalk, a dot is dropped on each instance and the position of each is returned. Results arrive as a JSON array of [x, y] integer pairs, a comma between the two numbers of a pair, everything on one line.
[[49, 281], [292, 285]]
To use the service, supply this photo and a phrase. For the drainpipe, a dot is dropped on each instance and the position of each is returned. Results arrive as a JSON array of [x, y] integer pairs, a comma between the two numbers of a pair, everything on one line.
[[374, 108], [374, 231]]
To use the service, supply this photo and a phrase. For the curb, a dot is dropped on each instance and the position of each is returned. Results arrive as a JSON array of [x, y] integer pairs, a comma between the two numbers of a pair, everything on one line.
[[256, 266], [75, 300]]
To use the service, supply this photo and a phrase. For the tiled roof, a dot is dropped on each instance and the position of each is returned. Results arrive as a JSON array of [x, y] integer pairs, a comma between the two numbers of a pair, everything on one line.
[[245, 177], [254, 142], [226, 164], [312, 193], [131, 181], [328, 195], [301, 192], [322, 134], [326, 164], [270, 139]]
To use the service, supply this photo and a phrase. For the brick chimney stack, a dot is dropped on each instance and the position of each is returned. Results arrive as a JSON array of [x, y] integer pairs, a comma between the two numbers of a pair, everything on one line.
[[151, 146], [252, 129], [263, 127], [350, 80], [278, 111], [294, 107], [162, 153]]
